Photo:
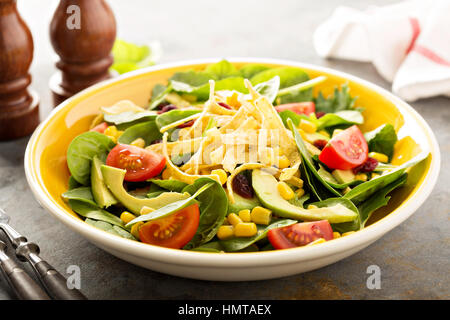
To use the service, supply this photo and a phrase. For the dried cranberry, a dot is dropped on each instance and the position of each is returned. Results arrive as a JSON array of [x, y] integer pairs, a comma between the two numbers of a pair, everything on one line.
[[241, 185], [156, 141], [223, 104], [320, 144], [367, 166], [186, 124], [162, 105], [167, 108], [320, 114]]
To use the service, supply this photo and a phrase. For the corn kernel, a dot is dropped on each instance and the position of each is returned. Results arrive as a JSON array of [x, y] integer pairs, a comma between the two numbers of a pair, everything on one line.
[[225, 221], [135, 229], [245, 229], [374, 175], [146, 210], [222, 175], [261, 215], [361, 176], [317, 241], [311, 206], [139, 142], [113, 138], [111, 131], [119, 133], [336, 235], [127, 217], [347, 233], [283, 162], [285, 191], [296, 182], [379, 156], [245, 215], [225, 232], [234, 219], [166, 174], [324, 133], [307, 126], [300, 192]]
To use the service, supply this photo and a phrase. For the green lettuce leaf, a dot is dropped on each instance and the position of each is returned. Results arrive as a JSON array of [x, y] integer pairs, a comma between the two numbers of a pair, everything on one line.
[[129, 56]]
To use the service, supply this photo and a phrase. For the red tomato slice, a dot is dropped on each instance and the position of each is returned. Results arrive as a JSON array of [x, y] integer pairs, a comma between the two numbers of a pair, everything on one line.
[[173, 231], [299, 234], [141, 164], [307, 107], [100, 128], [346, 150]]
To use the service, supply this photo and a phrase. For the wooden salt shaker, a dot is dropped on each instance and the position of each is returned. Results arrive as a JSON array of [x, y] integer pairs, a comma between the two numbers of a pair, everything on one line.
[[19, 106], [82, 33]]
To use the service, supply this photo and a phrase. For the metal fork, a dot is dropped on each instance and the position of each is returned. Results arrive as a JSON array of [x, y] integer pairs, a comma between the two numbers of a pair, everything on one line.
[[53, 281]]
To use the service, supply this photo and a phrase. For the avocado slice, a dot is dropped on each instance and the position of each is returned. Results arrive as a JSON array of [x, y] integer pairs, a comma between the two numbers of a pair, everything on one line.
[[265, 186], [102, 196], [241, 203], [343, 176], [114, 178]]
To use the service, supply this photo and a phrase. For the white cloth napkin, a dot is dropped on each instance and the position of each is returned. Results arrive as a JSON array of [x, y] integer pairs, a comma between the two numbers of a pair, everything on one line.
[[408, 43]]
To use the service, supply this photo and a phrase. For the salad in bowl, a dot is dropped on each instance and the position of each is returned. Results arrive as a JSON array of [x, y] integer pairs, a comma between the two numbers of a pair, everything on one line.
[[234, 160]]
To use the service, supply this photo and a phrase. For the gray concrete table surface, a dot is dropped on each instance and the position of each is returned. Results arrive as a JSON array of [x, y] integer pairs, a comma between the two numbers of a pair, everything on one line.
[[414, 257]]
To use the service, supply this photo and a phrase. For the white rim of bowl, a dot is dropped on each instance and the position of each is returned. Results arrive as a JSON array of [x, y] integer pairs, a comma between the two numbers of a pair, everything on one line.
[[267, 258]]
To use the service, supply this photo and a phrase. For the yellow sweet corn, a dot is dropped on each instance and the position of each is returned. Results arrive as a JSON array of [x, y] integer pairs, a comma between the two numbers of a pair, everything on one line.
[[111, 131], [225, 221], [222, 175], [135, 229], [311, 206], [307, 126], [225, 232], [261, 215], [300, 192], [113, 138], [361, 176], [285, 191], [245, 215], [166, 174], [317, 241], [379, 156], [324, 133], [347, 233], [336, 235], [146, 210], [234, 219], [245, 229], [127, 217], [374, 175], [283, 162], [139, 142]]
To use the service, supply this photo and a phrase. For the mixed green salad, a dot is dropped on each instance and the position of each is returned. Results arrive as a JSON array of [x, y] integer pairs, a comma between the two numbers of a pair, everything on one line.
[[231, 160]]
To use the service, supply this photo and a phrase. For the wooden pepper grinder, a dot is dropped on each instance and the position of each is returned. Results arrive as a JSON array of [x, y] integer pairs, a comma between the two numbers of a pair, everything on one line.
[[82, 33], [19, 106]]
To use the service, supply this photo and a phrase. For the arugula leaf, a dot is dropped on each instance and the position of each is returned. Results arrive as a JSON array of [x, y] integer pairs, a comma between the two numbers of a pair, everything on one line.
[[147, 130], [222, 70], [382, 139], [213, 209], [82, 150], [237, 244], [340, 100], [171, 184]]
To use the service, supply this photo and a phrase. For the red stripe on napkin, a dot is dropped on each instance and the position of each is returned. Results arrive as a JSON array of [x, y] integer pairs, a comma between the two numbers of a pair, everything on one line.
[[415, 26], [429, 54]]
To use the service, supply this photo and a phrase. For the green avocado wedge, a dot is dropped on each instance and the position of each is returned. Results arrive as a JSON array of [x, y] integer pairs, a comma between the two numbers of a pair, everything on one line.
[[114, 178], [265, 186], [241, 203], [102, 196]]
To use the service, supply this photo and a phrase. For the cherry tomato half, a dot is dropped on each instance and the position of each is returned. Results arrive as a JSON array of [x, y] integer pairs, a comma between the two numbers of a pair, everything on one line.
[[141, 164], [347, 150], [100, 127], [306, 107], [173, 231], [299, 234]]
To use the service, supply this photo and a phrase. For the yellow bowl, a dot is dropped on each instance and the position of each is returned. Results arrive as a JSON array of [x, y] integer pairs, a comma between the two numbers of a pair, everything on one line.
[[47, 175]]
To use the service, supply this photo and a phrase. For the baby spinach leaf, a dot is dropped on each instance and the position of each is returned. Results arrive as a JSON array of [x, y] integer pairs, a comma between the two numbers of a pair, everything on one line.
[[237, 244], [159, 94], [269, 88], [73, 183], [191, 77], [213, 246], [108, 227], [129, 118], [340, 118], [170, 208], [221, 70], [295, 118], [250, 70], [148, 131], [202, 92], [295, 89], [83, 194], [340, 100], [81, 151], [213, 209], [171, 184], [365, 190], [93, 212], [382, 139], [166, 118]]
